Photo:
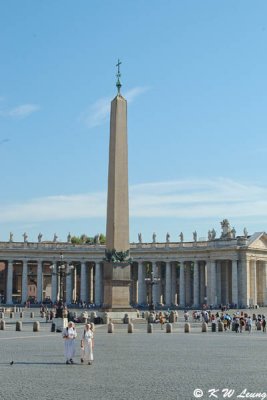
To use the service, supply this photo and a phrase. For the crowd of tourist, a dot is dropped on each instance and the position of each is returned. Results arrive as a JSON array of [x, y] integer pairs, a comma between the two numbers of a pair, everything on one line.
[[238, 321]]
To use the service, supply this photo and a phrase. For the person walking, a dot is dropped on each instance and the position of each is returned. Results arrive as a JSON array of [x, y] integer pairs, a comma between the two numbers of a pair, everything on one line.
[[69, 335], [264, 325], [249, 324], [87, 345]]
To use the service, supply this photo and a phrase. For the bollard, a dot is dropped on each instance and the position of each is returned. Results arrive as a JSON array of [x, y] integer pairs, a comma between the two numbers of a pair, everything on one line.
[[19, 326], [151, 318], [187, 328], [220, 326], [32, 314], [106, 318], [21, 314], [130, 328], [2, 325], [146, 315], [168, 328], [149, 328], [36, 326], [213, 327], [2, 315], [92, 326], [204, 327], [93, 315], [11, 314], [126, 319], [258, 326], [110, 327], [173, 317], [53, 327]]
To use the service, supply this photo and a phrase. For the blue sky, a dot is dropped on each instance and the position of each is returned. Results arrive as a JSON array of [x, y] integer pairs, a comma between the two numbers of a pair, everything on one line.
[[194, 75]]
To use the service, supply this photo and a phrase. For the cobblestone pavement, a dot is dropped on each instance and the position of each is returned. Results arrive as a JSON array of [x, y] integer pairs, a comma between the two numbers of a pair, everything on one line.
[[133, 366]]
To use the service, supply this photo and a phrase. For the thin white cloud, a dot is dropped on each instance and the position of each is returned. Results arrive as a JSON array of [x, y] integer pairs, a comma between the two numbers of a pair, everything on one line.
[[220, 198], [98, 113], [131, 94], [198, 199], [56, 208], [21, 111]]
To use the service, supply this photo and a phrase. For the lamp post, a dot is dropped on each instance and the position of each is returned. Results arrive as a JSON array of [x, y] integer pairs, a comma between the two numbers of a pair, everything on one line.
[[152, 280], [62, 270]]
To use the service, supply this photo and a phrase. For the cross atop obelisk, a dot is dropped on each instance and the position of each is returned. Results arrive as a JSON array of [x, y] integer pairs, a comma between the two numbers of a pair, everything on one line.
[[118, 84]]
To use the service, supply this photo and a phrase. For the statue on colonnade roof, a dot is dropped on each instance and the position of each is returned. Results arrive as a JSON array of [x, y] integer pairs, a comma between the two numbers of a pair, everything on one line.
[[227, 232]]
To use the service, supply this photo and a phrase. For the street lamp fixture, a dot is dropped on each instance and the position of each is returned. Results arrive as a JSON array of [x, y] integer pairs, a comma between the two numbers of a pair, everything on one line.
[[62, 270], [152, 280]]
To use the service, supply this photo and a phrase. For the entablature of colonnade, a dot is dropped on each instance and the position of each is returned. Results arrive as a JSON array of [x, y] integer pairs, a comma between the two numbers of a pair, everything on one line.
[[254, 245], [51, 252]]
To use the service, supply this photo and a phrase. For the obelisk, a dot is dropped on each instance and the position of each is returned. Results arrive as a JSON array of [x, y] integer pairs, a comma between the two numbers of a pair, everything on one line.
[[117, 261]]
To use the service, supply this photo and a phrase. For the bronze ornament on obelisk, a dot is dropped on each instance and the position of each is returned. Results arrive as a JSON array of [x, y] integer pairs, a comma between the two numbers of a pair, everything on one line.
[[117, 260]]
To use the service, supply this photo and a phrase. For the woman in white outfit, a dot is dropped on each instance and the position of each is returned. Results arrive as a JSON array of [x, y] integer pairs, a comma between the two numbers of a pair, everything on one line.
[[69, 334], [87, 345]]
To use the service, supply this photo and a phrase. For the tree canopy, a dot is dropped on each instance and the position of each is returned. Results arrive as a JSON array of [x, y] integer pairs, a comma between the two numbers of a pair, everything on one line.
[[84, 239]]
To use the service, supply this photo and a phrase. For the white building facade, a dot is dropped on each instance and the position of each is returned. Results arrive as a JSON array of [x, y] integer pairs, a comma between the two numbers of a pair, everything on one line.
[[225, 271]]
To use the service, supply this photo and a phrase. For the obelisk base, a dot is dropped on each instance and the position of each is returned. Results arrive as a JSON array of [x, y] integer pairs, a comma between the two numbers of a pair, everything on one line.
[[116, 287]]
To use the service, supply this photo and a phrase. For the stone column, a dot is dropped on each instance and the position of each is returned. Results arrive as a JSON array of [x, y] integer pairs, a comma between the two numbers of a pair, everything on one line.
[[39, 281], [9, 290], [54, 288], [24, 296], [227, 282], [74, 291], [265, 283], [188, 288], [173, 284], [202, 282], [196, 284], [211, 281], [141, 284], [98, 283], [168, 284], [253, 280], [234, 282], [83, 289], [182, 285], [155, 287], [90, 272], [219, 282], [69, 288], [260, 282], [245, 282]]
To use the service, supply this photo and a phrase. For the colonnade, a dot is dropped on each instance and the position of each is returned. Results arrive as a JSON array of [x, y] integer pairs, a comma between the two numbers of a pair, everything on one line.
[[182, 282], [83, 282]]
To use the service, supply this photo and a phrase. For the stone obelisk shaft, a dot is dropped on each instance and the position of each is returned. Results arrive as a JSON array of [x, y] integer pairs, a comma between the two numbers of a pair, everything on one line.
[[117, 234], [117, 271]]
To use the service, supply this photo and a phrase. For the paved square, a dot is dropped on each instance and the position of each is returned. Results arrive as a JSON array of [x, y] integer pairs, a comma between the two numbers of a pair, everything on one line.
[[132, 366]]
